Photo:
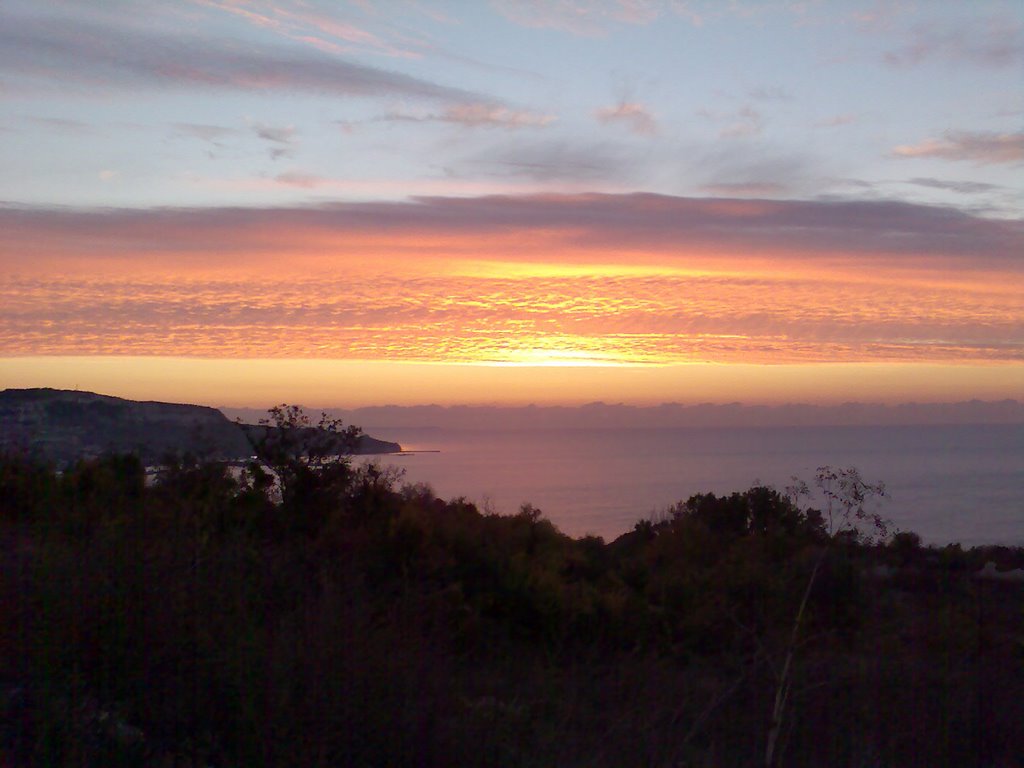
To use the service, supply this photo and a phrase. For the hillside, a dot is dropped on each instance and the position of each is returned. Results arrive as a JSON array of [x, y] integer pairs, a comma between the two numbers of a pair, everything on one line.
[[199, 618], [63, 426]]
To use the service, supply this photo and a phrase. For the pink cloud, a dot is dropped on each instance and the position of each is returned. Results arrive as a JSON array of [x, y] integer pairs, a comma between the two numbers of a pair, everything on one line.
[[631, 114], [476, 116], [579, 17], [741, 123], [982, 148], [303, 180], [298, 21]]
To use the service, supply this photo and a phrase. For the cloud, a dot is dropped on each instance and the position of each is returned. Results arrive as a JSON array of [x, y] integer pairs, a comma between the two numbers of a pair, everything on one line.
[[749, 165], [743, 123], [557, 160], [304, 23], [981, 148], [745, 189], [882, 16], [475, 116], [588, 18], [624, 278], [631, 114], [857, 184], [82, 51], [961, 187], [276, 134], [578, 227], [593, 18], [210, 133], [302, 180], [995, 42], [748, 122], [61, 124], [282, 139], [837, 120], [617, 316]]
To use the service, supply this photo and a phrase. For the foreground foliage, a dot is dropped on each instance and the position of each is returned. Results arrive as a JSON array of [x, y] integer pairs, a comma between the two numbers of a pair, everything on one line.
[[210, 618]]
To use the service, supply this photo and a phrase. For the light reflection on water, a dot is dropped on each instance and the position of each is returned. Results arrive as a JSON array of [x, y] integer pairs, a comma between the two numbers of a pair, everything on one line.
[[947, 483]]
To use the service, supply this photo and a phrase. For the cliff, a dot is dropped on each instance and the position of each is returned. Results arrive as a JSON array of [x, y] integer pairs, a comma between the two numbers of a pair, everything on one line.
[[63, 426]]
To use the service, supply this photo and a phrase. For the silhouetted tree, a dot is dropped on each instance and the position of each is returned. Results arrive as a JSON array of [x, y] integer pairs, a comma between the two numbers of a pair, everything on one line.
[[311, 460]]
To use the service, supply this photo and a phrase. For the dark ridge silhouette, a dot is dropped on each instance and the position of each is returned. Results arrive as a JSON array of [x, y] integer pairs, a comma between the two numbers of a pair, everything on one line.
[[65, 425], [623, 416]]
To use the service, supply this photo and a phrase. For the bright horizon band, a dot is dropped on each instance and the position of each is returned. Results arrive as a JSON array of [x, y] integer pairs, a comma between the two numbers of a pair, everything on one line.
[[351, 384]]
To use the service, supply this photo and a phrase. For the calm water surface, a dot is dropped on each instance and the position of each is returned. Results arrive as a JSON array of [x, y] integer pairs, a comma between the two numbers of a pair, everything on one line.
[[948, 483]]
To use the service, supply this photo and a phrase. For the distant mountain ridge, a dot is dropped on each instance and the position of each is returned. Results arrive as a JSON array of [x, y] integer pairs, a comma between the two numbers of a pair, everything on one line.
[[713, 415], [66, 425]]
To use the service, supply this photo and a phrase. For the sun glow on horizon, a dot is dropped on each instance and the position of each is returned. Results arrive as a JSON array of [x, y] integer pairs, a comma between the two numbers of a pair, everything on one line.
[[525, 270], [560, 358], [473, 195], [593, 308], [352, 383]]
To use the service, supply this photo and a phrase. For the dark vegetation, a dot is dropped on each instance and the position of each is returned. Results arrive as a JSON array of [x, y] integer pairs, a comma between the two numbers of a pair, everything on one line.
[[214, 618]]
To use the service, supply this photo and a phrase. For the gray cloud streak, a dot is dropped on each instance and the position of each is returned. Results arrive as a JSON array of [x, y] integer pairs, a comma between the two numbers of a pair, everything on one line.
[[558, 160], [994, 42], [961, 187], [85, 52]]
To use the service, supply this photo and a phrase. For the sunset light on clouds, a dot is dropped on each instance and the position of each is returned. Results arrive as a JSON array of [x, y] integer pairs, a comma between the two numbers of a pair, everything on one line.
[[244, 201]]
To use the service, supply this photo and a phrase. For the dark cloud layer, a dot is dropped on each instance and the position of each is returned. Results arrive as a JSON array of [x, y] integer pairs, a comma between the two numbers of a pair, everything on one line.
[[669, 224]]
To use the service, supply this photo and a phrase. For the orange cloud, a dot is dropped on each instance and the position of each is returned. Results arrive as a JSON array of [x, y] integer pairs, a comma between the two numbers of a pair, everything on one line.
[[635, 280], [572, 318]]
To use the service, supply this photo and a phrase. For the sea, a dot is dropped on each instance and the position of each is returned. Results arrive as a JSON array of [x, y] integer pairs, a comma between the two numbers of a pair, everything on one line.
[[962, 483]]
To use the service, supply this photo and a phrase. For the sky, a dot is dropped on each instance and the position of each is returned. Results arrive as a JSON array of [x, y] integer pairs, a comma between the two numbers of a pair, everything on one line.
[[244, 202]]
